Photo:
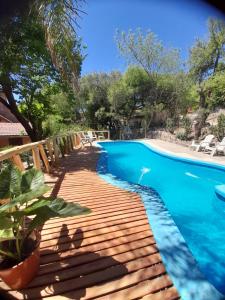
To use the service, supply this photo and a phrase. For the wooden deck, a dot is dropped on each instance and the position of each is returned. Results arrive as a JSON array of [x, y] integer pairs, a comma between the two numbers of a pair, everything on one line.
[[109, 254]]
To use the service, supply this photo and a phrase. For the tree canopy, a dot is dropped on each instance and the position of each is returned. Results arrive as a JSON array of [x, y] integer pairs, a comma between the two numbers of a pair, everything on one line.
[[147, 51], [207, 65], [39, 49]]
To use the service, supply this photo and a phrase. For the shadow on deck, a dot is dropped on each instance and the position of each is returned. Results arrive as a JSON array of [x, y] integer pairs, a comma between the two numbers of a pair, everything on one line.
[[109, 254]]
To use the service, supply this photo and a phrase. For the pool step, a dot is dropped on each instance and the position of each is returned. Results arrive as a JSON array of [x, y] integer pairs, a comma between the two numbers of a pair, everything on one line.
[[220, 191]]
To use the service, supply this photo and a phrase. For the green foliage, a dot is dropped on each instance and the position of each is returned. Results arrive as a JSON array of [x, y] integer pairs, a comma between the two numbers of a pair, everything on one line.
[[40, 55], [219, 129], [147, 52], [59, 20], [24, 191], [187, 125], [129, 93], [207, 56], [182, 136], [170, 125], [207, 65], [92, 99], [215, 90]]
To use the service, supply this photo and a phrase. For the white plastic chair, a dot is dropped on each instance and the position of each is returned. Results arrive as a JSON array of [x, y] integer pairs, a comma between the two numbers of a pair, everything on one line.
[[84, 139], [92, 135], [207, 142], [220, 148]]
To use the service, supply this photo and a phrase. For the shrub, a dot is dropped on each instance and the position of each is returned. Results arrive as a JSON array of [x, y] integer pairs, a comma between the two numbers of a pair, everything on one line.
[[170, 125], [186, 123], [182, 136], [219, 129]]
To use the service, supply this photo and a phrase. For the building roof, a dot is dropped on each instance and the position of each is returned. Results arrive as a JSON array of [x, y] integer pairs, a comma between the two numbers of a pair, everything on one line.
[[5, 113], [12, 129]]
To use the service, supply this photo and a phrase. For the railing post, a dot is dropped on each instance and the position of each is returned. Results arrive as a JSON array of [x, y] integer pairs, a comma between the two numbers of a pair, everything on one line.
[[49, 146], [44, 157], [72, 142], [56, 152], [108, 134], [36, 158], [69, 143], [16, 159]]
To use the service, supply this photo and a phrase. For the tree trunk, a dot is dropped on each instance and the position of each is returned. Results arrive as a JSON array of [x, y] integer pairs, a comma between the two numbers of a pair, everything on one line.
[[12, 106], [202, 114]]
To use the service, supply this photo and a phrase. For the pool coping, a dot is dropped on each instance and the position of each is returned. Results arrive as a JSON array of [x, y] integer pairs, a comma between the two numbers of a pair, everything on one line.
[[177, 258]]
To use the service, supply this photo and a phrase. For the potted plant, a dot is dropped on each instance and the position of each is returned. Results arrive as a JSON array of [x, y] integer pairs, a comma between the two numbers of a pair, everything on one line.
[[23, 209]]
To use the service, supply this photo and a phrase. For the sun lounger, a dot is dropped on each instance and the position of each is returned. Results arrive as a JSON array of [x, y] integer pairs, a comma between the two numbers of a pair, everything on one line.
[[92, 135], [207, 142], [219, 148], [100, 136], [84, 139]]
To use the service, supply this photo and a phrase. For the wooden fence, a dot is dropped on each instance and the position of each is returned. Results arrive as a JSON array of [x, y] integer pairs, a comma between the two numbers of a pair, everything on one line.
[[46, 153]]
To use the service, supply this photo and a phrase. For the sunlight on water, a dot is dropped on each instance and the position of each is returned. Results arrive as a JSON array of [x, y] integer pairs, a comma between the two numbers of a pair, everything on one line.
[[191, 175]]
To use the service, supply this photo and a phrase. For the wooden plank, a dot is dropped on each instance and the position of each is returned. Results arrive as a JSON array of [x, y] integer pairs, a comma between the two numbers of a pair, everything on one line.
[[36, 158], [108, 254], [168, 294], [141, 289], [16, 159], [77, 266], [88, 256], [6, 154], [86, 282], [44, 157]]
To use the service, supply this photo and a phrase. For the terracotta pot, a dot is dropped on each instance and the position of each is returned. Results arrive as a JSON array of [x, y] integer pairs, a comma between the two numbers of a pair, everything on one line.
[[19, 276]]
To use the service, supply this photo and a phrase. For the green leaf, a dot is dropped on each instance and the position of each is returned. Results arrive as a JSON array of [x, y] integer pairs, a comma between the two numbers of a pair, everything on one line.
[[56, 208], [67, 209], [15, 181], [21, 199], [31, 179], [5, 222], [35, 206], [6, 234], [42, 215], [5, 183], [10, 181]]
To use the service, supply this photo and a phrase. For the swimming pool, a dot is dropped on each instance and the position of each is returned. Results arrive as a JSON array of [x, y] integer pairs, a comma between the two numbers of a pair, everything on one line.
[[187, 189]]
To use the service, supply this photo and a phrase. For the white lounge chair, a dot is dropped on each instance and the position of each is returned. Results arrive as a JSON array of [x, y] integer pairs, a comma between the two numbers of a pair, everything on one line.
[[92, 135], [207, 142], [84, 139], [100, 136], [220, 148]]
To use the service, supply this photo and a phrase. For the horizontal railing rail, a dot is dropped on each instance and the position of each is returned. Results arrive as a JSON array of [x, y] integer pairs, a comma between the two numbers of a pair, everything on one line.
[[46, 153]]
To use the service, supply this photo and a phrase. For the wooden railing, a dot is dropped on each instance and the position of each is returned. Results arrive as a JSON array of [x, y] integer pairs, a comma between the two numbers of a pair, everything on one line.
[[46, 153]]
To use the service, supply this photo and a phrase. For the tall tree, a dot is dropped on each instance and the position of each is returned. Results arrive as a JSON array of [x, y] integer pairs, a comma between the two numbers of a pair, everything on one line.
[[207, 58], [27, 35], [147, 51], [93, 98]]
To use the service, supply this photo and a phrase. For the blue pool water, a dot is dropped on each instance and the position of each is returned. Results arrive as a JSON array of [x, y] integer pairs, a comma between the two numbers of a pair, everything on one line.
[[188, 191]]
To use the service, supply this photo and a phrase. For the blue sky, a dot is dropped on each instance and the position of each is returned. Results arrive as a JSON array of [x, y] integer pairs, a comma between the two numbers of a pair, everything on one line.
[[177, 23]]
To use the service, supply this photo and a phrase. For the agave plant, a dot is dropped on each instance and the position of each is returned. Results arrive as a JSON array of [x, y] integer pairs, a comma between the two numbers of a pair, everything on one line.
[[24, 208]]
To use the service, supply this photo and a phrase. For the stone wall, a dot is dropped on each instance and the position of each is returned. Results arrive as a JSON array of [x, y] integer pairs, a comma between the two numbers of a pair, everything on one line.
[[166, 136]]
